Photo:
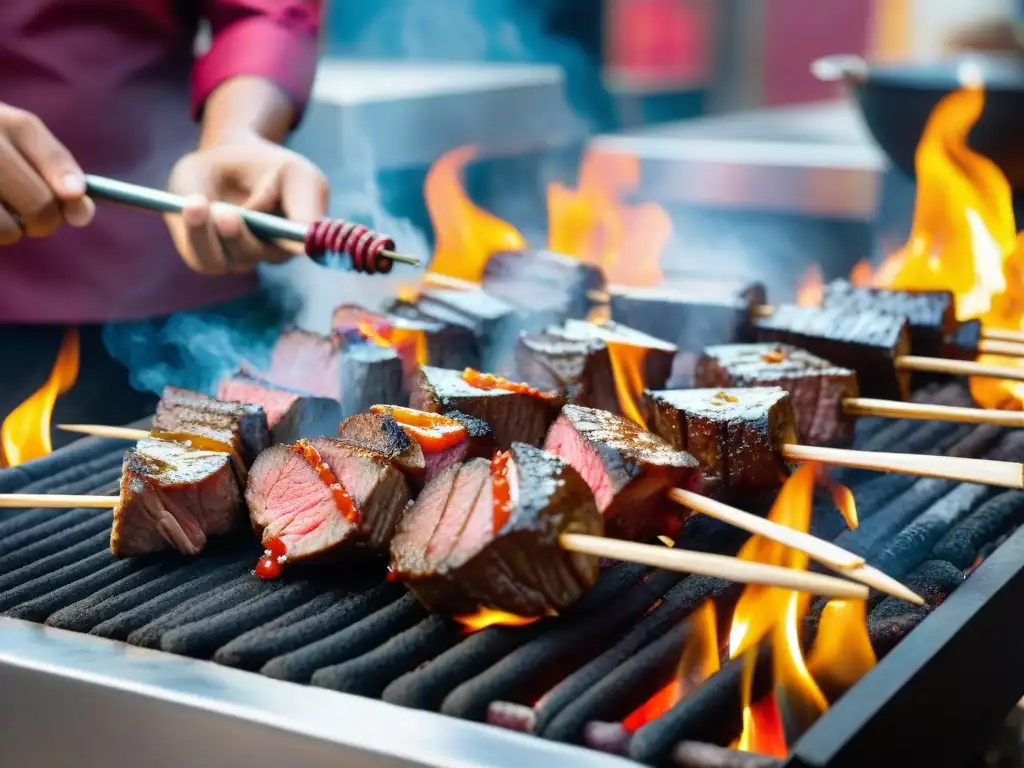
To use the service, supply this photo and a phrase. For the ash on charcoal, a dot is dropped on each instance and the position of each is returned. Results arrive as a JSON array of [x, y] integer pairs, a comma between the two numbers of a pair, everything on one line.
[[426, 688], [347, 642], [693, 754], [933, 580], [532, 669], [370, 375], [962, 545]]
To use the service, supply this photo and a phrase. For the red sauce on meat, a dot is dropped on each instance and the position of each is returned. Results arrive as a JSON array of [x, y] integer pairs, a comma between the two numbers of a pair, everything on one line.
[[500, 490], [433, 432], [275, 553], [341, 498], [489, 381]]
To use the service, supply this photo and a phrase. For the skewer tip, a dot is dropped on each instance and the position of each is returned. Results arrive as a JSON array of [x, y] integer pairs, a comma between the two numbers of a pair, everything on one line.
[[401, 258]]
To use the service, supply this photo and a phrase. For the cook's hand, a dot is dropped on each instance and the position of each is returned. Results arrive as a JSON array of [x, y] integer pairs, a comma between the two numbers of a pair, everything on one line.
[[41, 185], [253, 173]]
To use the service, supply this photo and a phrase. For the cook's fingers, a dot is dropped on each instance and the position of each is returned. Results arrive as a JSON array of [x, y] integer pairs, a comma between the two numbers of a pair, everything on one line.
[[48, 156], [79, 213], [202, 251], [243, 249], [24, 191], [305, 193], [10, 229]]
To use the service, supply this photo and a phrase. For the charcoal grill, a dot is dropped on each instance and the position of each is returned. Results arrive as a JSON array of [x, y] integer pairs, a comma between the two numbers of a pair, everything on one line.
[[394, 686]]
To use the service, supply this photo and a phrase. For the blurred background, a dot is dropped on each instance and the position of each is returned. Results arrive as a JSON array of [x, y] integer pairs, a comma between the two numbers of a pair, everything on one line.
[[760, 165]]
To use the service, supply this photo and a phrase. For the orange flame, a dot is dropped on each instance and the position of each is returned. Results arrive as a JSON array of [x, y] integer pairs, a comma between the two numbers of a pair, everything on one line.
[[842, 652], [407, 293], [627, 362], [592, 224], [811, 288], [488, 617], [698, 662], [25, 433], [466, 235], [409, 343], [763, 732], [964, 236], [769, 611]]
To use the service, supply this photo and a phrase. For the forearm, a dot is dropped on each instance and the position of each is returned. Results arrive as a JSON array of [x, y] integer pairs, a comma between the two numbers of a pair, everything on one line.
[[246, 106]]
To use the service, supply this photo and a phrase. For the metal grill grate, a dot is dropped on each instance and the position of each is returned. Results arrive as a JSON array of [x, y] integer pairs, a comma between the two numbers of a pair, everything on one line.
[[569, 679]]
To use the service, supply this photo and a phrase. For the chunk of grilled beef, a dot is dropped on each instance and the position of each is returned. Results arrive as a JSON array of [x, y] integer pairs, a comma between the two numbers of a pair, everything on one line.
[[312, 497], [370, 374], [816, 388], [930, 315], [578, 369], [453, 345], [494, 322], [543, 278], [174, 497], [307, 362], [459, 548], [962, 343], [291, 415], [206, 424], [869, 343], [657, 354], [179, 407], [629, 470], [513, 416], [690, 312], [409, 338], [736, 435], [380, 433]]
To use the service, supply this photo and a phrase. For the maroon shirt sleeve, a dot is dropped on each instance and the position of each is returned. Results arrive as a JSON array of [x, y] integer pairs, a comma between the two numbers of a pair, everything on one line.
[[274, 39]]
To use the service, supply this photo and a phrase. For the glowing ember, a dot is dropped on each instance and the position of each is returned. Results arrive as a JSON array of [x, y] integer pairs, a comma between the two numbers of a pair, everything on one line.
[[811, 288], [699, 662], [628, 371], [592, 224], [25, 433], [466, 235], [842, 652], [487, 617]]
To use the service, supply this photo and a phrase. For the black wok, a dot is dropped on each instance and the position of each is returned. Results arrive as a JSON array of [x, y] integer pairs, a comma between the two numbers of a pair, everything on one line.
[[896, 99]]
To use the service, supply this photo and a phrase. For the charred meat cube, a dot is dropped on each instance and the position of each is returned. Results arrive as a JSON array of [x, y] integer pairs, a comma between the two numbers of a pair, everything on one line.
[[578, 369], [628, 346], [516, 413], [174, 497], [930, 315], [409, 338], [690, 313], [451, 342], [869, 343], [484, 534], [443, 439], [291, 415], [736, 435], [308, 362], [308, 499], [962, 343], [495, 323], [546, 279], [370, 374], [629, 470], [248, 421], [816, 388], [376, 431]]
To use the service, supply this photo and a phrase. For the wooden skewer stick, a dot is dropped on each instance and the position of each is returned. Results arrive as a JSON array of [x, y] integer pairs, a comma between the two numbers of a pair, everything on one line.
[[1005, 474], [894, 409], [997, 347], [98, 430], [716, 566], [824, 552], [1000, 334], [959, 368], [55, 501]]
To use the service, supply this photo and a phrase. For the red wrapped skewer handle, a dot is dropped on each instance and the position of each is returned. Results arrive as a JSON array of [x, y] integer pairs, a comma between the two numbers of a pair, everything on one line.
[[369, 251]]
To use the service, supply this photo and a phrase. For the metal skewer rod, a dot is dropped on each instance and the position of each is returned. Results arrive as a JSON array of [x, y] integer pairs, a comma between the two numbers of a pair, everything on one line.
[[263, 225]]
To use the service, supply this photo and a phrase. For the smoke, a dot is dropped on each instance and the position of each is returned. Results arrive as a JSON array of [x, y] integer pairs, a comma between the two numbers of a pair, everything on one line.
[[194, 349]]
